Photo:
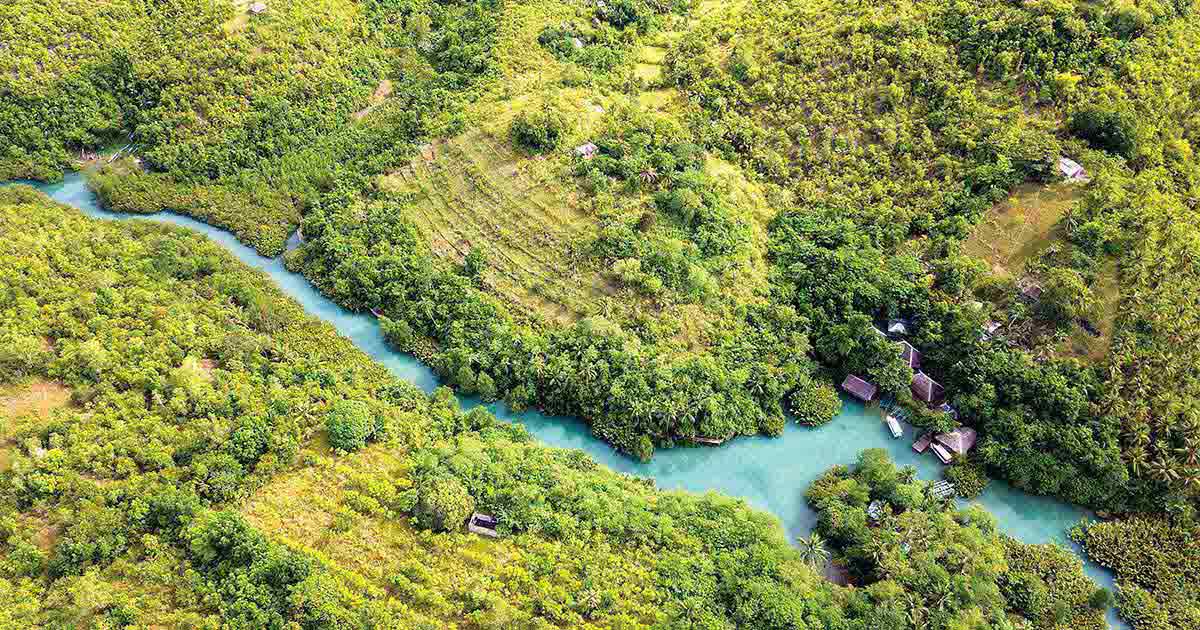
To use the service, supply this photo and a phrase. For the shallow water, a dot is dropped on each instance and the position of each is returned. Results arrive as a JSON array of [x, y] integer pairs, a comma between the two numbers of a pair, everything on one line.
[[770, 473]]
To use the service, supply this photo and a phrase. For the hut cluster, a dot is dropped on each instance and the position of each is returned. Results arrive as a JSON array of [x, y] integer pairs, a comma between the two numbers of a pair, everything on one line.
[[946, 446]]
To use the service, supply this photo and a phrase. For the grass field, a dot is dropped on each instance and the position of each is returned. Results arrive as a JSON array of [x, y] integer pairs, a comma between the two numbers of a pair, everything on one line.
[[1019, 228], [478, 192], [24, 403]]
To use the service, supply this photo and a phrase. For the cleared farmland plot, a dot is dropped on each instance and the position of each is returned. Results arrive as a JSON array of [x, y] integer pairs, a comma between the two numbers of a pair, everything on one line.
[[471, 191]]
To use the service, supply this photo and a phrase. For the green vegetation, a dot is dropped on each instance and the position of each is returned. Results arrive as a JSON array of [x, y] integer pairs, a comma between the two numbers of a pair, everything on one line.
[[924, 564], [771, 180]]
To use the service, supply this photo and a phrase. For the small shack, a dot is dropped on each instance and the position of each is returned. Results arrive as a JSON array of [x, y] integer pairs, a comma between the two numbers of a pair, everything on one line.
[[586, 151], [258, 8], [898, 327], [925, 389], [1071, 170], [989, 330], [483, 524], [859, 388], [894, 426], [959, 441], [875, 510], [922, 443], [577, 43], [910, 355], [949, 410]]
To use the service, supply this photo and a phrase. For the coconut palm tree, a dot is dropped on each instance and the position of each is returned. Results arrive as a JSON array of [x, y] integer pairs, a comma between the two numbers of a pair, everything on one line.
[[813, 551]]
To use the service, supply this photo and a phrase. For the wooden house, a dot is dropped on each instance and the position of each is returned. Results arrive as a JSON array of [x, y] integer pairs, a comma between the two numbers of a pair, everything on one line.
[[959, 441], [1071, 170], [859, 388], [258, 8], [925, 389], [898, 327], [922, 444], [483, 524], [910, 355]]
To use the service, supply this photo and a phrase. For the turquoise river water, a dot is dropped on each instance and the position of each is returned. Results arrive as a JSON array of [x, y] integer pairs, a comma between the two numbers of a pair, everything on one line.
[[769, 473]]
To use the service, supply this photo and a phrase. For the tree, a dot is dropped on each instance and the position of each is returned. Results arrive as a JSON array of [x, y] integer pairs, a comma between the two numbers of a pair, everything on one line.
[[813, 551], [539, 130], [814, 403], [443, 505], [349, 424]]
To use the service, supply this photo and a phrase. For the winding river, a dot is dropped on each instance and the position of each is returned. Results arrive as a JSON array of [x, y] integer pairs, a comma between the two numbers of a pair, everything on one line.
[[769, 473]]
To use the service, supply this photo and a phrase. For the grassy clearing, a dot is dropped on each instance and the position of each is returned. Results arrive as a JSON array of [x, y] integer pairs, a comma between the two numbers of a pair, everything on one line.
[[476, 192], [1019, 228], [1084, 345], [25, 403]]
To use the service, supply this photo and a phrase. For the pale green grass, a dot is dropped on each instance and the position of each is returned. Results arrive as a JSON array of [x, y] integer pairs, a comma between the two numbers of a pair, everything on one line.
[[1017, 229]]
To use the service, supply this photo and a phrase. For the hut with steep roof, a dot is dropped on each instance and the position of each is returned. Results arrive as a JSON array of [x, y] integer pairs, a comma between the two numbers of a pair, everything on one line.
[[910, 355], [925, 389], [258, 7], [959, 441], [860, 388], [483, 524]]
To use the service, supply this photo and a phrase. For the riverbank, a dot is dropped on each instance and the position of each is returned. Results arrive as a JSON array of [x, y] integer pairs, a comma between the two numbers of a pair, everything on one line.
[[770, 473]]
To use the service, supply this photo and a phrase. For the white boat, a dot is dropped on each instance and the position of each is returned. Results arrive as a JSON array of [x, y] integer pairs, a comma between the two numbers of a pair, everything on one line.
[[894, 426]]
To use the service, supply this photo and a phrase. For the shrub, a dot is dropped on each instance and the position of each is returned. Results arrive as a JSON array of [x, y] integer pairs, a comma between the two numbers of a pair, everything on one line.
[[349, 424], [539, 130], [443, 505], [1110, 130], [969, 478], [814, 403]]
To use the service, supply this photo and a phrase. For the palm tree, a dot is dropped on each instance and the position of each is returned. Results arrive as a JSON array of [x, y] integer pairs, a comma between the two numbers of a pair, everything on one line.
[[649, 175], [813, 551]]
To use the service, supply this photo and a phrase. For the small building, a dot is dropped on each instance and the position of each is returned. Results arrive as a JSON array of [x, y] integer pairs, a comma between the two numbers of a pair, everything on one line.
[[922, 443], [989, 330], [942, 490], [925, 389], [949, 410], [1030, 289], [258, 7], [959, 441], [577, 43], [894, 426], [1071, 170], [586, 151], [898, 327], [859, 388], [910, 355], [941, 453], [483, 524]]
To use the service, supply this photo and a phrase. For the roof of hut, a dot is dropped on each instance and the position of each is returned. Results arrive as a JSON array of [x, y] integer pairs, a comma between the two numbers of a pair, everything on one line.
[[910, 354], [959, 440], [859, 388], [258, 7], [926, 389], [898, 326], [586, 150]]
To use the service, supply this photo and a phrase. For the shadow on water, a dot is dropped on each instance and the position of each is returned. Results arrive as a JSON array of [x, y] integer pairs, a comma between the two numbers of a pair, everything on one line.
[[769, 473]]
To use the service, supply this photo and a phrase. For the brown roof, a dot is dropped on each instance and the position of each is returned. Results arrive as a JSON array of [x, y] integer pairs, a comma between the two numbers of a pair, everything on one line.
[[926, 389], [859, 388], [959, 440], [911, 355]]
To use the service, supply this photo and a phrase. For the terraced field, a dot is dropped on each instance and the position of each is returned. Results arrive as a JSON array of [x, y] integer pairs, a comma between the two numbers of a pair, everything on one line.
[[472, 191]]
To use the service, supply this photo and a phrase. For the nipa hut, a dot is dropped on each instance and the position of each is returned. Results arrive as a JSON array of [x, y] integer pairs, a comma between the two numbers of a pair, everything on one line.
[[483, 524], [925, 389], [859, 388]]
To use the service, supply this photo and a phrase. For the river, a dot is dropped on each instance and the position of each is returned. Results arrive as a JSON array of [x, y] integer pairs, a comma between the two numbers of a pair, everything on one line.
[[769, 473]]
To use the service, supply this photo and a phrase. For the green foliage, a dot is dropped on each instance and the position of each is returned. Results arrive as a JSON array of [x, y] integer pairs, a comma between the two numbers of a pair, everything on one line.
[[969, 478], [814, 403], [918, 551], [350, 424], [1107, 129], [539, 130], [443, 505]]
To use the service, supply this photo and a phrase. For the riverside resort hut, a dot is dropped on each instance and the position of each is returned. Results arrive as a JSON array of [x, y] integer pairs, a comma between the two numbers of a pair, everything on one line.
[[910, 355], [483, 524], [957, 442], [258, 8], [859, 388], [925, 389], [1071, 170], [898, 327]]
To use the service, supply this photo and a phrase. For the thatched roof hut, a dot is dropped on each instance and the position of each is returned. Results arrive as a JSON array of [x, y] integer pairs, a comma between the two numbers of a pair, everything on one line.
[[910, 355], [483, 524], [859, 388], [959, 441], [258, 7], [925, 389]]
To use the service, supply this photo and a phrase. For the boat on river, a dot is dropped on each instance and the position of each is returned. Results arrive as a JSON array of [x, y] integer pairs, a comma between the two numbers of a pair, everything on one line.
[[894, 426]]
